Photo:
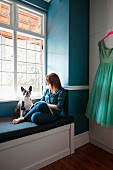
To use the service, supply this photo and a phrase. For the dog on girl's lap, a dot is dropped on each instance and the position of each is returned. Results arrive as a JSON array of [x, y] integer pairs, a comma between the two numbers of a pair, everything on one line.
[[24, 105]]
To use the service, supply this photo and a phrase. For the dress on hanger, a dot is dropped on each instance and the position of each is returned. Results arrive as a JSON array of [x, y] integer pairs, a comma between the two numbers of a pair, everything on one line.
[[100, 104]]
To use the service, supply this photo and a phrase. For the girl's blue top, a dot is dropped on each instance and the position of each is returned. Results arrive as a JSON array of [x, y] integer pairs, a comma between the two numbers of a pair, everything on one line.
[[56, 98]]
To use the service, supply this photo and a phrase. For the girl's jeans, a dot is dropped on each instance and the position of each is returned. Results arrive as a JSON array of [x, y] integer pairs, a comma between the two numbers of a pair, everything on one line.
[[40, 114]]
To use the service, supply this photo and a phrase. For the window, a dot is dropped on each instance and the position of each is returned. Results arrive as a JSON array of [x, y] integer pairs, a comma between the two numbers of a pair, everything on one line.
[[21, 50], [6, 62], [28, 21], [29, 62], [5, 13]]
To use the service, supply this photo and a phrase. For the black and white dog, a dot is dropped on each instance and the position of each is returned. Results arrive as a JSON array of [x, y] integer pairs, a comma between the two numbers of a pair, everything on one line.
[[24, 104]]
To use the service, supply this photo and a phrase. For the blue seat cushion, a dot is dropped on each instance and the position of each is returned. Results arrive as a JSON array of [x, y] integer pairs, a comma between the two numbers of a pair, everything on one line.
[[9, 131]]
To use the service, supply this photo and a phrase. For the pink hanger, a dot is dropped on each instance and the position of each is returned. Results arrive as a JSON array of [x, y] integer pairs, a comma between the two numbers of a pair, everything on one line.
[[108, 34]]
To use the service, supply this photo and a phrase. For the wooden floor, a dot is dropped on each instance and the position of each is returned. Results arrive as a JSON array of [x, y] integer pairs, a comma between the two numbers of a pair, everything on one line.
[[87, 157]]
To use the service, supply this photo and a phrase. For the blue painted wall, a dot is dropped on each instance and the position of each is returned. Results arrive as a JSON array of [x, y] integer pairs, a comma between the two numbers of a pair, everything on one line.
[[67, 54], [77, 101], [78, 42], [58, 38], [7, 108], [78, 62]]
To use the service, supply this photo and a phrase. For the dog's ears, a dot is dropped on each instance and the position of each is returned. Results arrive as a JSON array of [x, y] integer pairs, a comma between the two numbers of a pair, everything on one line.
[[22, 89], [30, 88]]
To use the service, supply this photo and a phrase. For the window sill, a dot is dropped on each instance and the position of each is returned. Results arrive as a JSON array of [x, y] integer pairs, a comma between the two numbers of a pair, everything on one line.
[[17, 99]]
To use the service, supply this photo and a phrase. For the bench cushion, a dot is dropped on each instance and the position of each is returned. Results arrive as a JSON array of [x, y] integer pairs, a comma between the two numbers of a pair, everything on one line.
[[9, 131]]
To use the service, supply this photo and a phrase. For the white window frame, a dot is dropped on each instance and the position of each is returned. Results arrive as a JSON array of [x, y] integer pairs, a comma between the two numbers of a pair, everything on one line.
[[11, 7], [14, 27]]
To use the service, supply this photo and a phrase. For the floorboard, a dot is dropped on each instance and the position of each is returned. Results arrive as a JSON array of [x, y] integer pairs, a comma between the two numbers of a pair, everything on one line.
[[87, 157]]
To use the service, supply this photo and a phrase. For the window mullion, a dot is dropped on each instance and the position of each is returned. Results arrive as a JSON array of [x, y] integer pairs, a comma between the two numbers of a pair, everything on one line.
[[15, 47]]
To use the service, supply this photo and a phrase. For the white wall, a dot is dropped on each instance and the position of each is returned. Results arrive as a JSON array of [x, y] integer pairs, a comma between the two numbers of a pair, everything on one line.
[[101, 22]]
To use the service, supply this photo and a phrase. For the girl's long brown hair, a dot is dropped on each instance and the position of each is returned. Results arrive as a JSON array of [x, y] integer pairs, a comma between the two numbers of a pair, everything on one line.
[[54, 80]]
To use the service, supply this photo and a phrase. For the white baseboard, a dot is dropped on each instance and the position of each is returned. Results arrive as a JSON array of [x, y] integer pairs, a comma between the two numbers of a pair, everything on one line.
[[81, 139], [100, 145]]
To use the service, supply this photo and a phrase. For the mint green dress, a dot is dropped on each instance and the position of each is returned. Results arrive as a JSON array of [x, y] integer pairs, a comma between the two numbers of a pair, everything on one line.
[[100, 104]]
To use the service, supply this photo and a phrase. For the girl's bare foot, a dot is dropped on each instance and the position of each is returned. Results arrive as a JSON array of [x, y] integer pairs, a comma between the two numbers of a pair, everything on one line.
[[16, 121]]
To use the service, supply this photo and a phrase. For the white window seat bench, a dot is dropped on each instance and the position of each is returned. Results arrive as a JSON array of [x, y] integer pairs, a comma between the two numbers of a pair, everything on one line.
[[31, 147]]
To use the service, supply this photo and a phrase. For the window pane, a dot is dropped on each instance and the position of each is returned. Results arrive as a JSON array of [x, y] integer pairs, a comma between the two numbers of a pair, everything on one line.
[[30, 79], [0, 53], [35, 19], [21, 41], [21, 67], [0, 78], [35, 28], [7, 91], [6, 63], [22, 15], [21, 79], [7, 52], [38, 69], [0, 39], [38, 81], [38, 88], [6, 37], [23, 18], [21, 54], [38, 57], [31, 44], [35, 24], [39, 45], [29, 63], [23, 25], [4, 13], [28, 21], [0, 67], [30, 68], [7, 79], [4, 19], [4, 8], [7, 66], [30, 56]]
